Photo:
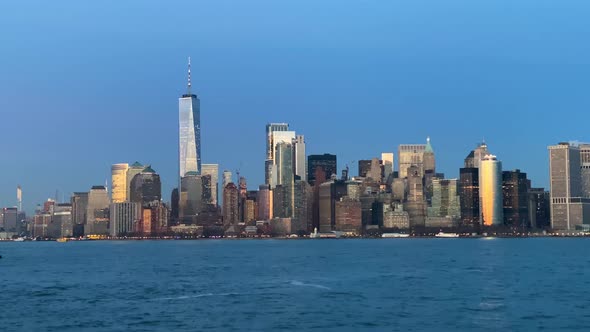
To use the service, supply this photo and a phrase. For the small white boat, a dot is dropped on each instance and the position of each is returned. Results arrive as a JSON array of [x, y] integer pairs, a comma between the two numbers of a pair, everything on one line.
[[394, 235], [19, 239], [449, 235]]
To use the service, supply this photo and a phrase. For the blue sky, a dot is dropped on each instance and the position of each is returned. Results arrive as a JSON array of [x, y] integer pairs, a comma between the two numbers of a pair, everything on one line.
[[84, 84]]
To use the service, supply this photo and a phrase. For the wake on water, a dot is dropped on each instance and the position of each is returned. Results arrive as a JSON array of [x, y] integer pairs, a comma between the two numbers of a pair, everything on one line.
[[302, 284]]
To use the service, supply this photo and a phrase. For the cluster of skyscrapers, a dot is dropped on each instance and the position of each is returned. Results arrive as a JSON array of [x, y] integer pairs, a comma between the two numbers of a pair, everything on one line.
[[305, 194]]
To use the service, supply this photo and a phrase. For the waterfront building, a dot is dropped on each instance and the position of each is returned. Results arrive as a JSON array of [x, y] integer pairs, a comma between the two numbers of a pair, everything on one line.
[[79, 202], [97, 212], [515, 188], [490, 191], [299, 157], [271, 128], [302, 212], [569, 206], [146, 187], [264, 202], [154, 219], [191, 196], [445, 199], [327, 163], [213, 171], [348, 215], [415, 204], [469, 195], [61, 221], [230, 205], [539, 208], [329, 193], [119, 182], [124, 218], [189, 116], [394, 217], [285, 178], [9, 220]]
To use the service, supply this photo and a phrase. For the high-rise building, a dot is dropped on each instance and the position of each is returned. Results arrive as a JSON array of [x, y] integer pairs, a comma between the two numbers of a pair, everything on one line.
[[299, 157], [415, 204], [515, 188], [387, 160], [227, 178], [119, 182], [61, 223], [364, 167], [445, 200], [146, 187], [325, 162], [474, 158], [264, 202], [124, 218], [79, 201], [410, 155], [375, 172], [189, 111], [585, 169], [569, 207], [469, 195], [10, 221], [97, 212], [348, 215], [302, 217], [329, 193], [539, 208], [191, 196], [429, 161], [271, 128], [285, 177], [132, 171], [213, 170], [230, 204], [279, 137], [490, 191]]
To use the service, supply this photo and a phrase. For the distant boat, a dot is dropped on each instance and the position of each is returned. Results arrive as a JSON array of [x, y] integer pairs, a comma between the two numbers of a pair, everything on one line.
[[62, 239], [394, 235], [449, 235], [19, 239], [315, 234]]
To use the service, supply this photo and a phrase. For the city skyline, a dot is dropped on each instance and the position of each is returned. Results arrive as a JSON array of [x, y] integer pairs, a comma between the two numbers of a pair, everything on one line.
[[242, 93]]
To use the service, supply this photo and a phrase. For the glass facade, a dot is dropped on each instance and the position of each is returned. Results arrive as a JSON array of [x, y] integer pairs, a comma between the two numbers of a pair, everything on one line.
[[189, 149]]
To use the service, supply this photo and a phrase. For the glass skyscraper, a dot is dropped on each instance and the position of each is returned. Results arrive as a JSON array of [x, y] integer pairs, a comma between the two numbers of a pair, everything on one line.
[[189, 150]]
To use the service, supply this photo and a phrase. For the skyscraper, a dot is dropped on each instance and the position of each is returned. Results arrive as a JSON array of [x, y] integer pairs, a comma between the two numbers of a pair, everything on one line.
[[515, 188], [325, 162], [469, 195], [227, 178], [132, 171], [119, 183], [445, 200], [270, 146], [146, 187], [285, 178], [490, 191], [230, 205], [97, 211], [387, 160], [213, 170], [410, 155], [124, 217], [279, 137], [189, 150], [299, 157], [569, 207]]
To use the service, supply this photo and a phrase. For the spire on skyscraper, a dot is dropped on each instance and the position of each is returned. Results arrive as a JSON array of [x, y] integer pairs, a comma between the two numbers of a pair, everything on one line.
[[189, 76]]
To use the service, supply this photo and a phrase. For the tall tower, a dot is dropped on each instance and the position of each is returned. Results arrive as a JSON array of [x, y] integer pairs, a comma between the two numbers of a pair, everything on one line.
[[490, 191], [189, 149], [271, 142], [569, 204], [19, 197], [119, 183]]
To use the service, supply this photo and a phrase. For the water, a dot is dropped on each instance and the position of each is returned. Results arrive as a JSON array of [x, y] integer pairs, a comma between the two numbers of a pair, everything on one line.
[[337, 285]]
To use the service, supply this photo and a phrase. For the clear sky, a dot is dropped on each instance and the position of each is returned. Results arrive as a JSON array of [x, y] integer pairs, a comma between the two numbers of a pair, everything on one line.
[[84, 84]]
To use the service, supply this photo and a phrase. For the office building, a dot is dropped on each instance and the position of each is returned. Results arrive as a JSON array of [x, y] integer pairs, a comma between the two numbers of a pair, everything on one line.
[[410, 155], [515, 188], [227, 178], [272, 128], [230, 204], [191, 196], [97, 211], [124, 218], [348, 215], [264, 202], [490, 191], [119, 182], [569, 207], [445, 199], [329, 193], [468, 188], [326, 164], [364, 167], [539, 208], [189, 116], [299, 157], [387, 160], [302, 212], [213, 171], [146, 187], [285, 177], [132, 171]]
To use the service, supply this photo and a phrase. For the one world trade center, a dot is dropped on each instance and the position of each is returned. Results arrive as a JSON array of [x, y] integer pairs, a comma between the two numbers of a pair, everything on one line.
[[189, 149]]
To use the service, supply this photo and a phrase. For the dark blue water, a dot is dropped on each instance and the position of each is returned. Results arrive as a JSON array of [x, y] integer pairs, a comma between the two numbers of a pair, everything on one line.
[[389, 284]]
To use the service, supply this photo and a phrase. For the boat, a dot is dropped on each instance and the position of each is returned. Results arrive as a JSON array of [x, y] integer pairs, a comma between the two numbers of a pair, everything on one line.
[[448, 235], [394, 235], [62, 239], [19, 239], [315, 234]]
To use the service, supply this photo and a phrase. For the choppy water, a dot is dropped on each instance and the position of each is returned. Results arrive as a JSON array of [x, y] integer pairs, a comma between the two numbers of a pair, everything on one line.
[[389, 285]]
